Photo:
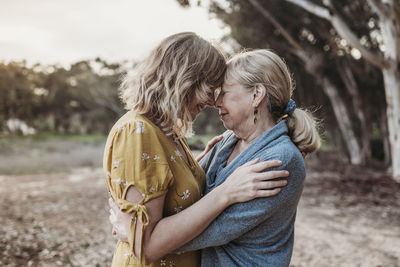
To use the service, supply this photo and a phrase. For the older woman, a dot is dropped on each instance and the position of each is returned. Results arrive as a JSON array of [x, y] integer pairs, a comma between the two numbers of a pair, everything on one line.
[[255, 104], [149, 169]]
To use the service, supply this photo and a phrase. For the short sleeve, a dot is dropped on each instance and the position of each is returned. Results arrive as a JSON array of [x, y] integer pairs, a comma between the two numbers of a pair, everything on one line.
[[137, 157]]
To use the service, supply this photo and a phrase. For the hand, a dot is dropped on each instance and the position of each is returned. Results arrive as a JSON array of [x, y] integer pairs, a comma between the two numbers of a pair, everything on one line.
[[209, 145], [120, 221], [248, 181]]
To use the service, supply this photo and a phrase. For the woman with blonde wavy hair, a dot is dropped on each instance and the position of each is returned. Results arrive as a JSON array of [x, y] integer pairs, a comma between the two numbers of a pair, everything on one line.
[[154, 182], [255, 105]]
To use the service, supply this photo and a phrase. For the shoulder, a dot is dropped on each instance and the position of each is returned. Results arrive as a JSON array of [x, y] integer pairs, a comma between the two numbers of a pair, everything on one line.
[[132, 122], [134, 133], [285, 150]]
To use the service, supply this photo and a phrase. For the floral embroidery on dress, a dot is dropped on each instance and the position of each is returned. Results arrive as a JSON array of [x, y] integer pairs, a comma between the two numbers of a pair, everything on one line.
[[173, 159], [171, 264], [163, 262], [109, 175], [116, 164], [156, 158], [121, 127], [119, 181], [127, 254], [186, 194], [178, 209], [126, 183], [145, 156], [178, 153], [140, 127], [151, 190]]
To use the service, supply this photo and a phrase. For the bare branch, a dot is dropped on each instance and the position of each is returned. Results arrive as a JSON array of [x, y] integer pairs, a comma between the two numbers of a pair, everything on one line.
[[276, 23], [319, 11], [377, 7], [343, 30]]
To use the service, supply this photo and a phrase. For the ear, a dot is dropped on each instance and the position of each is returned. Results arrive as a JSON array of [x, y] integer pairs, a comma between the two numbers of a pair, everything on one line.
[[259, 93]]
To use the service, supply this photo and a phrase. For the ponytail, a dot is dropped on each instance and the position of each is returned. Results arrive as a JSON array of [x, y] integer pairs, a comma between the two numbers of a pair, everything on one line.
[[303, 131]]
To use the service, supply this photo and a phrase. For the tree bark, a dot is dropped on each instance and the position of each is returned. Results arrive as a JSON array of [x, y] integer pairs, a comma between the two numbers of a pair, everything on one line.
[[344, 122], [390, 29], [351, 85], [392, 93]]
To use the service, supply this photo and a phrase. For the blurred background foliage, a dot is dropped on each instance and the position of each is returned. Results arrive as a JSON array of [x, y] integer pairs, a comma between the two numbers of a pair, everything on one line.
[[332, 78]]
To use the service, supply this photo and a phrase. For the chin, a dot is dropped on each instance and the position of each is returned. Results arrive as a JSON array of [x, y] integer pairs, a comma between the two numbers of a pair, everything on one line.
[[227, 125]]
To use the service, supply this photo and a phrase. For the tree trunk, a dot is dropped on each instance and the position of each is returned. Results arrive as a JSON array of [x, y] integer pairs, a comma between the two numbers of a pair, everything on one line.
[[385, 139], [392, 93], [351, 85], [344, 122], [312, 65], [390, 28]]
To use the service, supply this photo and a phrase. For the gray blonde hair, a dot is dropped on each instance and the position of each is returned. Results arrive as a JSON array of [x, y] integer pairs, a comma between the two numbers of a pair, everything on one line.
[[183, 66], [264, 67]]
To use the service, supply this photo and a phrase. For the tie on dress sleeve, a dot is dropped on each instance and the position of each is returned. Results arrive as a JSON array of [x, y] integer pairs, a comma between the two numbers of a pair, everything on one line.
[[135, 156], [138, 211]]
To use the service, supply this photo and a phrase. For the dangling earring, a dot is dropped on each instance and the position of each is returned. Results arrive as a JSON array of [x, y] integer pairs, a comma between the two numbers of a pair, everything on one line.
[[255, 115]]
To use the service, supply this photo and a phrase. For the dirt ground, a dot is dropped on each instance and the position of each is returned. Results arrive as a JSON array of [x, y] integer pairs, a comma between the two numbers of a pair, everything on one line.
[[347, 216]]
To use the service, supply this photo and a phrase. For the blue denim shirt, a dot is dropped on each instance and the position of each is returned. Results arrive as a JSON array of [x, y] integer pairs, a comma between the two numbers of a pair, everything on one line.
[[259, 232]]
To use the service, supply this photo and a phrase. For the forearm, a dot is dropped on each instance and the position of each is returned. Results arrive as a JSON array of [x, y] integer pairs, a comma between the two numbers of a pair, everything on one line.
[[172, 232]]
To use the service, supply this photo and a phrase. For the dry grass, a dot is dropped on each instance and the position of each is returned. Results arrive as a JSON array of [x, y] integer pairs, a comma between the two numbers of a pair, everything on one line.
[[44, 154]]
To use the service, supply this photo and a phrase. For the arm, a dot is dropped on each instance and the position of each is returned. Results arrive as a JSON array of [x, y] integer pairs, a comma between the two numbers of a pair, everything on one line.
[[187, 224], [240, 218]]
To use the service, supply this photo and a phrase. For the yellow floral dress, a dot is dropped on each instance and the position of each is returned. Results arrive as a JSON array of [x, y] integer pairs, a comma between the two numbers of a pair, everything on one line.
[[139, 154]]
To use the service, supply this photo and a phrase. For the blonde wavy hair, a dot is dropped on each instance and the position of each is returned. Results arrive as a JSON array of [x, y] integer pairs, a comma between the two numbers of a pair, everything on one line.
[[180, 69], [262, 66]]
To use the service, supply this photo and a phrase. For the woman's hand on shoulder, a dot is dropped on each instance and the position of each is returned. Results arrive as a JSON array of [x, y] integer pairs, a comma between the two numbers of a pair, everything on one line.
[[249, 181], [209, 145]]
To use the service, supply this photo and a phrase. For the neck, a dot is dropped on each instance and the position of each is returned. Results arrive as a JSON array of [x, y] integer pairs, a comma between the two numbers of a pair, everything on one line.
[[251, 131]]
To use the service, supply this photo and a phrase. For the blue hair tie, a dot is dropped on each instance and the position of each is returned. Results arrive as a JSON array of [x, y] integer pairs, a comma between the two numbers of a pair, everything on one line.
[[290, 107]]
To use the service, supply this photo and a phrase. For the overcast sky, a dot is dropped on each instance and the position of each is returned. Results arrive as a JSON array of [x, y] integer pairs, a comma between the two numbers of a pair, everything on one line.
[[64, 31]]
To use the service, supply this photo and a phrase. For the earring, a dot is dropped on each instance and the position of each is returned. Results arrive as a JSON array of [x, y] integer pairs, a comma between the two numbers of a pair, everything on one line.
[[255, 115]]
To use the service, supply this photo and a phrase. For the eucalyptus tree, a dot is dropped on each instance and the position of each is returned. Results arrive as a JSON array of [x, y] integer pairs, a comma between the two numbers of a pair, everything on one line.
[[344, 72], [384, 30]]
